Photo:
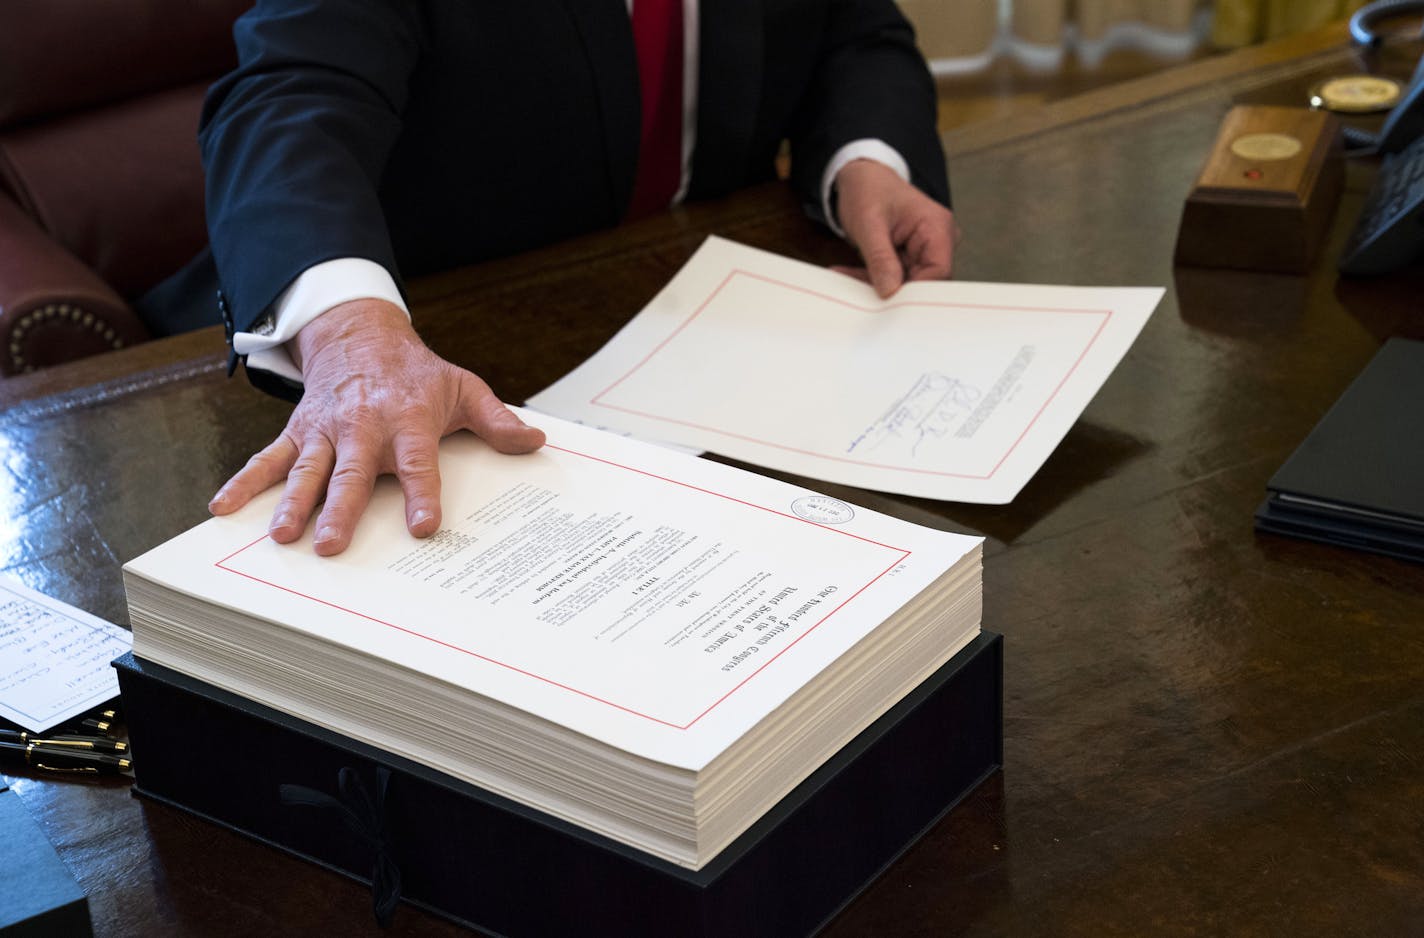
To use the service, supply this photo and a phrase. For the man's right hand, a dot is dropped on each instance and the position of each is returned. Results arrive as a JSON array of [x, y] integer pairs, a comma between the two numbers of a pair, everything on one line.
[[376, 401]]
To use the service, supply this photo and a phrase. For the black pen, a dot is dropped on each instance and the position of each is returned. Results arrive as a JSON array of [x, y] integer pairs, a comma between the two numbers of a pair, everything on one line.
[[66, 760], [67, 741], [98, 722], [95, 725], [97, 743]]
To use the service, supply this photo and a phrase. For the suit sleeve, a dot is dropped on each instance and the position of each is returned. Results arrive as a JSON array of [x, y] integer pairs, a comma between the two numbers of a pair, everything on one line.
[[295, 140], [870, 81]]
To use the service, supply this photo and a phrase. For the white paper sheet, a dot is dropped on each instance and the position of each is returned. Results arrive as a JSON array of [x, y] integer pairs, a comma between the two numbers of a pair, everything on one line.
[[948, 390], [54, 658]]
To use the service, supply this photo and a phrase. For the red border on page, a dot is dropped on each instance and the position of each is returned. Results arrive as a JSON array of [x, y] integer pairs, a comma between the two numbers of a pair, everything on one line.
[[902, 555], [598, 401]]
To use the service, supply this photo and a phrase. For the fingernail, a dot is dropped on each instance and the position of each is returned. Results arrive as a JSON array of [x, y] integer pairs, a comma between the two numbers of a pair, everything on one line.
[[325, 534], [420, 518]]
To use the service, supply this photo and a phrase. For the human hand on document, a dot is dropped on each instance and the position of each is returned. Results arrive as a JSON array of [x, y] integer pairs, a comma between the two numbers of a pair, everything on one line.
[[377, 401], [901, 233]]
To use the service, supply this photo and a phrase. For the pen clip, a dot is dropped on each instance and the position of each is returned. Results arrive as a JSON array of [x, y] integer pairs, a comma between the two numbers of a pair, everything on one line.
[[71, 770], [52, 743]]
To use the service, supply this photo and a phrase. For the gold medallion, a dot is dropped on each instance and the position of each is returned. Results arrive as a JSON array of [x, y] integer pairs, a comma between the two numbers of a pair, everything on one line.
[[1355, 94], [1265, 146]]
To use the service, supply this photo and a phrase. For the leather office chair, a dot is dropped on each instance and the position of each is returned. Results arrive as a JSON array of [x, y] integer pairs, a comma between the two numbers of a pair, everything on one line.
[[101, 188]]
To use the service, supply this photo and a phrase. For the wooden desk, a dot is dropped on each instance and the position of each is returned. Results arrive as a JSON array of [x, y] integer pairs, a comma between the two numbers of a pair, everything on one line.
[[1207, 731]]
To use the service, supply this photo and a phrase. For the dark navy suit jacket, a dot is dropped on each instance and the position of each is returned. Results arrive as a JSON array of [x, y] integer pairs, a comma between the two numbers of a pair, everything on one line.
[[424, 134]]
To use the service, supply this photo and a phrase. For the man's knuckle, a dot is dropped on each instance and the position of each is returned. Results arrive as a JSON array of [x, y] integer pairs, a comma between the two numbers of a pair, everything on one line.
[[308, 466], [414, 413], [361, 413], [417, 464], [352, 475]]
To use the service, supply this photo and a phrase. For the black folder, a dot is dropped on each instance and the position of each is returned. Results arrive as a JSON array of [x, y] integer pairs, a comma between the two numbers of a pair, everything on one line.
[[1357, 480], [40, 896]]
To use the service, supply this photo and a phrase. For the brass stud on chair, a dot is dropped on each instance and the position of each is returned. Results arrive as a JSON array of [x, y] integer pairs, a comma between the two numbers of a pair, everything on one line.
[[73, 313]]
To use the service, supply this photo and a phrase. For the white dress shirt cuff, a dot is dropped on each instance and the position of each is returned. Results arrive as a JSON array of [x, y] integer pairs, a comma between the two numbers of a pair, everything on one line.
[[868, 148], [316, 290]]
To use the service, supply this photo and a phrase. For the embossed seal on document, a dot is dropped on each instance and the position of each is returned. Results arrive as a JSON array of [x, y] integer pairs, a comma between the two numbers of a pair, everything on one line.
[[822, 509], [1265, 146]]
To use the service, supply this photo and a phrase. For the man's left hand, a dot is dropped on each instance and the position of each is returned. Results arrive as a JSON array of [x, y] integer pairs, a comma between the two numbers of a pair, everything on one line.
[[901, 233]]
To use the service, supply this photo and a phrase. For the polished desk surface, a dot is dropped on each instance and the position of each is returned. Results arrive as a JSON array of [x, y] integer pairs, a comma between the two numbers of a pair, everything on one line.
[[1207, 731]]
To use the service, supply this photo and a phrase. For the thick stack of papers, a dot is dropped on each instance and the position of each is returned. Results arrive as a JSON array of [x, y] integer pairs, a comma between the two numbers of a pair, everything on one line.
[[650, 645]]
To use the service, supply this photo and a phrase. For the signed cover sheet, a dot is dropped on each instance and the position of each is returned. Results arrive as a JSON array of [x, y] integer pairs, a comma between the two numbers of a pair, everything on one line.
[[948, 390]]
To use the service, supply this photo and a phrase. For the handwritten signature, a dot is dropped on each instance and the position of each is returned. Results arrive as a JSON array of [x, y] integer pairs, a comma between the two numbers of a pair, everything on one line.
[[930, 409]]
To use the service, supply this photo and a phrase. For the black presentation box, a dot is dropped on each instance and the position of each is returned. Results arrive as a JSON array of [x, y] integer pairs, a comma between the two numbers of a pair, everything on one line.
[[488, 862]]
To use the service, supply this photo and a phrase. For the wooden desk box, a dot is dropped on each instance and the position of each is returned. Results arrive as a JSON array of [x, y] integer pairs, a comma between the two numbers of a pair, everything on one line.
[[1264, 198]]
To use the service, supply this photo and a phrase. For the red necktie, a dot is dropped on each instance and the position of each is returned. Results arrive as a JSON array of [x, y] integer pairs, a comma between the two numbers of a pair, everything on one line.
[[657, 33]]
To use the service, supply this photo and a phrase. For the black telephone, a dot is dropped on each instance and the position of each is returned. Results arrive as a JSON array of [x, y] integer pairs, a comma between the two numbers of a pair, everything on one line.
[[1390, 230], [1406, 121]]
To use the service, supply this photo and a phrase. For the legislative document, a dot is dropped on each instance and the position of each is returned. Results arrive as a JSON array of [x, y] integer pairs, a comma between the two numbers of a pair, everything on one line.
[[656, 603], [948, 390]]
